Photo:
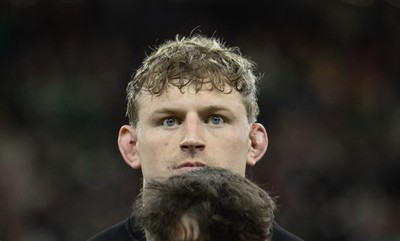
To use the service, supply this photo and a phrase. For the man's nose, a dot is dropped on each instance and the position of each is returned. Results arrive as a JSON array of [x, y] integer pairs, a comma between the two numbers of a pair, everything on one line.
[[193, 136]]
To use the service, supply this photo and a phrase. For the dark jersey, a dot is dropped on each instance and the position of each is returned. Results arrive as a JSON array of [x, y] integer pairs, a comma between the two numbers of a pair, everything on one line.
[[125, 231]]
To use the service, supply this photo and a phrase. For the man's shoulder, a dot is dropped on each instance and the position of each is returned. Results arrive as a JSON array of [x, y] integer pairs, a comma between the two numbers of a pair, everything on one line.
[[280, 234], [119, 232]]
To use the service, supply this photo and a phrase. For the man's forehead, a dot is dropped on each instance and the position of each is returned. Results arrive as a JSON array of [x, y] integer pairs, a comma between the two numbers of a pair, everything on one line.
[[189, 228], [175, 93]]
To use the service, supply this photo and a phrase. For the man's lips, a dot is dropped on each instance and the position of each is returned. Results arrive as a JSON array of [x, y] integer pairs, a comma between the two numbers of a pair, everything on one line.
[[190, 165]]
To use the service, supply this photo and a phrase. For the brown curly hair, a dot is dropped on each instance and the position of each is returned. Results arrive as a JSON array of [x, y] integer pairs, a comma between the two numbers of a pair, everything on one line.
[[225, 206], [198, 61]]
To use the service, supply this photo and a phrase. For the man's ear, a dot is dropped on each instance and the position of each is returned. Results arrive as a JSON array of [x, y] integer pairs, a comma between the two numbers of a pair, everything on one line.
[[127, 140], [258, 144]]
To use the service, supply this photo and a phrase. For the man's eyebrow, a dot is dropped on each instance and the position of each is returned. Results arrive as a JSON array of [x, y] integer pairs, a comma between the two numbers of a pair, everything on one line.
[[214, 108], [206, 109], [167, 110]]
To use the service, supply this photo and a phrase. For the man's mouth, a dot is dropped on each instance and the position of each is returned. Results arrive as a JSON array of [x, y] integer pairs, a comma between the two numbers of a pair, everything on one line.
[[188, 166]]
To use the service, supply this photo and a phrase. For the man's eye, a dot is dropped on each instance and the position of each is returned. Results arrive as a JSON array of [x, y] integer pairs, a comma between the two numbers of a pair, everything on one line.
[[216, 120], [168, 122]]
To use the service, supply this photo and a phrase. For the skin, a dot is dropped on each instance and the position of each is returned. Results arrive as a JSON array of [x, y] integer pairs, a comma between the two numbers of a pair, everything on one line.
[[182, 130], [189, 228]]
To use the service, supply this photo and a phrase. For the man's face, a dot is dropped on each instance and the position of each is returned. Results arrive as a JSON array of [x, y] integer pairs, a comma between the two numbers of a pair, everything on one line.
[[182, 130]]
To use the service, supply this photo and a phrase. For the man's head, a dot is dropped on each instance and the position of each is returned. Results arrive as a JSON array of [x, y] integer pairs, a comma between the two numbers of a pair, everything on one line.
[[198, 62], [192, 104], [208, 204]]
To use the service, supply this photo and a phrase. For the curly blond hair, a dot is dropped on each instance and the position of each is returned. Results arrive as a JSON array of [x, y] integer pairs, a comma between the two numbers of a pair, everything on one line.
[[198, 61]]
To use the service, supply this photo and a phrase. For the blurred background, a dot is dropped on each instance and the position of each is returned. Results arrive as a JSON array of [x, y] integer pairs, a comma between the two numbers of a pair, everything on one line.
[[329, 100]]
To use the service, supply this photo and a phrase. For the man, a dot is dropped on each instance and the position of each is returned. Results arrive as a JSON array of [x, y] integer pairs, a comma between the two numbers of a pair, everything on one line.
[[207, 204], [191, 104]]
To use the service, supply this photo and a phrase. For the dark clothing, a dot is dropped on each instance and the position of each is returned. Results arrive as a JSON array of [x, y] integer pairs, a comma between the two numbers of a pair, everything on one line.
[[280, 234], [125, 231]]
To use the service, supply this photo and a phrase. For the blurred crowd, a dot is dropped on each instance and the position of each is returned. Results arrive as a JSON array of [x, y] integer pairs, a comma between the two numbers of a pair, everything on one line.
[[329, 99]]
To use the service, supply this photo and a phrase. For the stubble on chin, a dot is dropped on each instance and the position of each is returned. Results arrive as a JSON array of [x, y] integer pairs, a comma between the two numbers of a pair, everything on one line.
[[173, 163]]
